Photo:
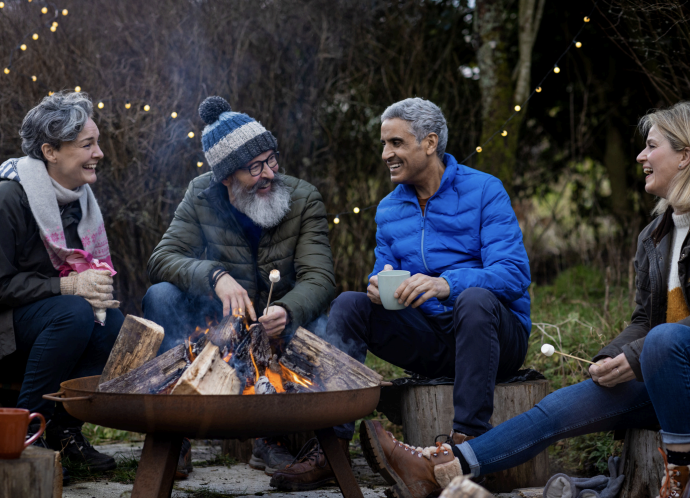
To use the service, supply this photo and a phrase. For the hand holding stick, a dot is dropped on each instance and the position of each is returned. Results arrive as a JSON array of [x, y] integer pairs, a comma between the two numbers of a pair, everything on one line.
[[274, 277], [549, 350]]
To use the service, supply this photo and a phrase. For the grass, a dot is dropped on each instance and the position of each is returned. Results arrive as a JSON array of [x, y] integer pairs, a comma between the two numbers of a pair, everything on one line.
[[124, 473]]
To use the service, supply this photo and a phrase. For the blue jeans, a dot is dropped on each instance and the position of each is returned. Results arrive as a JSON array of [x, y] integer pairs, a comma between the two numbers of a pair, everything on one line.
[[477, 342], [63, 342], [663, 398], [177, 312]]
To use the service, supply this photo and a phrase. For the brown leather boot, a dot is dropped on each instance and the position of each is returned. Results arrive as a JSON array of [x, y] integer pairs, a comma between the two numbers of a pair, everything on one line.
[[459, 437], [675, 482], [412, 472], [310, 471]]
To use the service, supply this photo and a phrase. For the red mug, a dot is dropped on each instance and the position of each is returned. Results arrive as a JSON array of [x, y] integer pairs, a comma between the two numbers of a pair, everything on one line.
[[14, 423]]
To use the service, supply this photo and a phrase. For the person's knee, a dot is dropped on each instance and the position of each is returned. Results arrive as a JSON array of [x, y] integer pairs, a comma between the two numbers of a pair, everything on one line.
[[350, 303], [160, 296], [663, 340], [473, 299], [75, 317]]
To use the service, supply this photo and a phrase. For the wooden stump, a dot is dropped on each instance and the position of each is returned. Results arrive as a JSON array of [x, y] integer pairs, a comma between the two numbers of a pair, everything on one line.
[[36, 474], [137, 343], [462, 487], [428, 411], [643, 465]]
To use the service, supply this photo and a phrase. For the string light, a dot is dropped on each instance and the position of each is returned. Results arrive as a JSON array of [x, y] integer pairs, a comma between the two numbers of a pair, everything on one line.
[[356, 210], [77, 89], [517, 108], [199, 164], [53, 29], [7, 70], [35, 36], [147, 108], [22, 47], [190, 134], [173, 115], [504, 133], [33, 78], [336, 220], [44, 10], [538, 89], [127, 105], [586, 19], [479, 149], [578, 44], [65, 12], [556, 69], [2, 5], [55, 23], [101, 105]]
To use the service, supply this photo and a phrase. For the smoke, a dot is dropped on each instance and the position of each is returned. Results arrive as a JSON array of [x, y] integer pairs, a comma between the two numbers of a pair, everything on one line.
[[319, 327]]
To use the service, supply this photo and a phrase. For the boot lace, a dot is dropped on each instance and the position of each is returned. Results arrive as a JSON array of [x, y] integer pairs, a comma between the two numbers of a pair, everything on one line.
[[310, 451], [670, 487]]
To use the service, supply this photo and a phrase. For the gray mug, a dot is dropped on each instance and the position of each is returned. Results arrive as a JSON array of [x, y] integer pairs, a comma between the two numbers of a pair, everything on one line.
[[389, 281]]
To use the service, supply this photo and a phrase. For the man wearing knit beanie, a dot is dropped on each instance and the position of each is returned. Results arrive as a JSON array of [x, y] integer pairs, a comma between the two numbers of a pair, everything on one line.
[[234, 226]]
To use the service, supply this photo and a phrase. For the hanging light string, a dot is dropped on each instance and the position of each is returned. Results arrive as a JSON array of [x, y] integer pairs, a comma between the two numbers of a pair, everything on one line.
[[575, 42]]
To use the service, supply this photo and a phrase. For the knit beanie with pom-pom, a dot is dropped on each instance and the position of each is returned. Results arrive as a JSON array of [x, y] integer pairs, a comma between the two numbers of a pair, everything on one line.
[[231, 139]]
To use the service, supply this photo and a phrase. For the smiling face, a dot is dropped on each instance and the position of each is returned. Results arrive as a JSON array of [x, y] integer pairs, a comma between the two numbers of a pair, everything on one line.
[[660, 162], [262, 183], [406, 159], [74, 164]]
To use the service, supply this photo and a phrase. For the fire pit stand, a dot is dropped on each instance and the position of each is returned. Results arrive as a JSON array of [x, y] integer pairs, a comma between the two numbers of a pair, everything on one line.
[[166, 419]]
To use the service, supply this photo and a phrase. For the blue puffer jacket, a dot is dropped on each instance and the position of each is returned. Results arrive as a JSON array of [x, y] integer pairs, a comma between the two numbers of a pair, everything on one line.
[[468, 235]]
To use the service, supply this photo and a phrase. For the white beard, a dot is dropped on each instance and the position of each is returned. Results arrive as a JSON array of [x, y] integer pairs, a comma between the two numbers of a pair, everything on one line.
[[267, 210]]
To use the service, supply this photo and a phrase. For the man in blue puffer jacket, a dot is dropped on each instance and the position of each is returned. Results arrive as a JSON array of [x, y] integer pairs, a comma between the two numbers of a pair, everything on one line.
[[468, 307]]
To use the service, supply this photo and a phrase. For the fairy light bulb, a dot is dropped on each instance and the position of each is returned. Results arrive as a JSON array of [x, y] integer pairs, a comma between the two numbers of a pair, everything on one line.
[[127, 105], [586, 19], [77, 89], [147, 108], [190, 134], [101, 105], [33, 78], [44, 10], [53, 29], [479, 149], [35, 36], [22, 47], [517, 108], [538, 89], [7, 70], [2, 5], [578, 44], [356, 210], [199, 164], [336, 220], [55, 23], [504, 133], [556, 69], [65, 12], [173, 115]]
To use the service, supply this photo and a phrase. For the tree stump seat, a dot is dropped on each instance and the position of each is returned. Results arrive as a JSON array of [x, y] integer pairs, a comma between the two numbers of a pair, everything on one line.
[[643, 465], [36, 474]]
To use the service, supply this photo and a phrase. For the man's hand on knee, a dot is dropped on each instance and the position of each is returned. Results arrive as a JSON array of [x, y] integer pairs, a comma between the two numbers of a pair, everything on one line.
[[420, 288], [373, 289], [233, 296]]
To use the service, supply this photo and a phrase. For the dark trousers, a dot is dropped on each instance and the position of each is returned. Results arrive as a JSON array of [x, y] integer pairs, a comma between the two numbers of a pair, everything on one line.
[[63, 342], [479, 341]]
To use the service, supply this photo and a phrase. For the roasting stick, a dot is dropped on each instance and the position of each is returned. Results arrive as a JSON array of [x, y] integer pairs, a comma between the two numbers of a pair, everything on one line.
[[274, 277], [549, 350]]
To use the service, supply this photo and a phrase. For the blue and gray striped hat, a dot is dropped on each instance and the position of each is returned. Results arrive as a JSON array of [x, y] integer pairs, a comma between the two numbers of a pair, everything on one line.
[[231, 139]]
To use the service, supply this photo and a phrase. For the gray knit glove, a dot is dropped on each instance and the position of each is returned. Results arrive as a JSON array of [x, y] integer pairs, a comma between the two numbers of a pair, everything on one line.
[[563, 486], [96, 286]]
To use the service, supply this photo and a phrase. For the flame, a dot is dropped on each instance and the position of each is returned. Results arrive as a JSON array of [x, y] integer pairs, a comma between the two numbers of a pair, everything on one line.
[[198, 332], [276, 379], [227, 358], [251, 390], [293, 377]]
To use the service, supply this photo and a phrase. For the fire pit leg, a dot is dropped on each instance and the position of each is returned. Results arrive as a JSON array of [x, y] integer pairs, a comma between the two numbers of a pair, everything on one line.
[[339, 464], [157, 466]]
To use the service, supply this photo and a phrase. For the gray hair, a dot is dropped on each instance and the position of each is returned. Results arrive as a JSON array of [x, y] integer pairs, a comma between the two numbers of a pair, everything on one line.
[[424, 116], [58, 118]]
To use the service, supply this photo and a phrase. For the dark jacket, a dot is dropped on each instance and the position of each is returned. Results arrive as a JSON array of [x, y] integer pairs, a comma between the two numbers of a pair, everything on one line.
[[26, 273], [203, 236], [652, 266]]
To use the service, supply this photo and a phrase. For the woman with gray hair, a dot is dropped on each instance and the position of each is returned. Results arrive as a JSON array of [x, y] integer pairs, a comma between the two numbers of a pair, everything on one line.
[[57, 312]]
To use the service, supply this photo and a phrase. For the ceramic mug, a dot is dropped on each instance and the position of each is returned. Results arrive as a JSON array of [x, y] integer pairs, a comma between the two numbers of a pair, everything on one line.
[[389, 281], [14, 422]]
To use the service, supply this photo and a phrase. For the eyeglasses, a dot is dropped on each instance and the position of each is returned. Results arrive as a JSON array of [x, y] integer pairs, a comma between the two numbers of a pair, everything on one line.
[[255, 169]]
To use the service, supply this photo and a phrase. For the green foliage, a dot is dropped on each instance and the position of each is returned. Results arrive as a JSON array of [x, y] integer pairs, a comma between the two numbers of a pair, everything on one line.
[[104, 435], [125, 472]]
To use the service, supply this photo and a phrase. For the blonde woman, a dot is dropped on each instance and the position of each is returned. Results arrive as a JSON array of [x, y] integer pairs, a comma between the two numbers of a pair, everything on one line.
[[640, 380]]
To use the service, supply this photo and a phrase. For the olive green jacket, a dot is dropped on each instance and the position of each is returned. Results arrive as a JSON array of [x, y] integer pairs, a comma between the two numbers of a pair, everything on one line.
[[203, 236]]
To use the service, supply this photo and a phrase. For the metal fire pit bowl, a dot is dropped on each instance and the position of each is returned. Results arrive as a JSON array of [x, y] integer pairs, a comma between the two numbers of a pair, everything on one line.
[[166, 419]]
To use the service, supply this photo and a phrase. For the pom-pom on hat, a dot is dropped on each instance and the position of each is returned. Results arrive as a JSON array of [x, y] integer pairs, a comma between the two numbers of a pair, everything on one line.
[[231, 139]]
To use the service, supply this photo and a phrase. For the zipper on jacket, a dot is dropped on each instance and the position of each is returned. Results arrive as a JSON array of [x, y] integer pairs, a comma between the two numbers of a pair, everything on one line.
[[423, 221]]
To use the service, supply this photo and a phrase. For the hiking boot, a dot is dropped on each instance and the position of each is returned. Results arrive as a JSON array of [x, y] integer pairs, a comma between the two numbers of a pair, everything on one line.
[[184, 463], [458, 437], [412, 472], [75, 448], [310, 471], [675, 482], [270, 455]]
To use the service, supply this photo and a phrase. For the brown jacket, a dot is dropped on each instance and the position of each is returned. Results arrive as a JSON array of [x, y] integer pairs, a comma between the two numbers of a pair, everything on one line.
[[652, 266]]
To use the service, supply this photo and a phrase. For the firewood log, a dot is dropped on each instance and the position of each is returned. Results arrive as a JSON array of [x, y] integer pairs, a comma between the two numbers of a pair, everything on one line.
[[137, 343], [325, 365], [151, 377], [208, 374]]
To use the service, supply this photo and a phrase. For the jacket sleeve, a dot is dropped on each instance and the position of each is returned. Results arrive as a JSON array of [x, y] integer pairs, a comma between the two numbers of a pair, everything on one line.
[[18, 287], [505, 269], [176, 259], [631, 340], [315, 286], [384, 255]]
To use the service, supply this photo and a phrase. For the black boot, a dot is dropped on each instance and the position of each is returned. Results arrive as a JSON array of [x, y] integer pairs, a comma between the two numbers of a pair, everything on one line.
[[184, 462], [75, 448], [41, 443]]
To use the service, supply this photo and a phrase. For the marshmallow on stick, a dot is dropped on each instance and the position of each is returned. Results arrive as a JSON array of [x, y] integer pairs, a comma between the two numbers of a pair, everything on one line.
[[274, 277], [549, 350]]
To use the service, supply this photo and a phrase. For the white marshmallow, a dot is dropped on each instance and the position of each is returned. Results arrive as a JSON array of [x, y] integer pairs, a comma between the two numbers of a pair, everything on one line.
[[548, 349], [274, 276]]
